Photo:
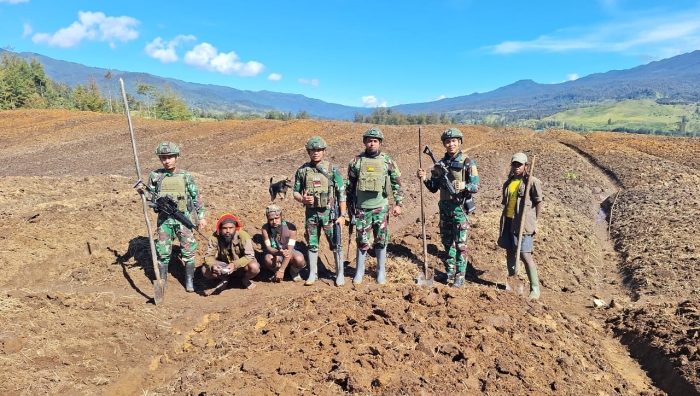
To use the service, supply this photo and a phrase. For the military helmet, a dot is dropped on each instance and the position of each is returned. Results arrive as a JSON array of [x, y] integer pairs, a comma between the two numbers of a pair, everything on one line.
[[316, 142], [373, 133], [167, 148], [452, 133]]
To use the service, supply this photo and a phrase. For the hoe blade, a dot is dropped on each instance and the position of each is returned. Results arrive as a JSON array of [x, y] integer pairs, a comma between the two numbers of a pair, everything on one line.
[[422, 280]]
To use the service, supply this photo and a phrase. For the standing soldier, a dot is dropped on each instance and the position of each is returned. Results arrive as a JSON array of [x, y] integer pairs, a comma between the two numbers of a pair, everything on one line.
[[515, 211], [180, 185], [454, 223], [319, 186], [372, 175]]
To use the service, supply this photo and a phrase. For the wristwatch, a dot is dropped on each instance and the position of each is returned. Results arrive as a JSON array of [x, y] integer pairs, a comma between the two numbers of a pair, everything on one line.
[[344, 214]]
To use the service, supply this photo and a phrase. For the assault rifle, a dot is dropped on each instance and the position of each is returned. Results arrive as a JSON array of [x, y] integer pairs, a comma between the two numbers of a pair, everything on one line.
[[467, 203], [166, 204], [351, 223], [335, 213], [337, 234]]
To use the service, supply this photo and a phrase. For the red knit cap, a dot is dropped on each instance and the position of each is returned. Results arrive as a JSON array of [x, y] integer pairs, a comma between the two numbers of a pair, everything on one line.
[[229, 217]]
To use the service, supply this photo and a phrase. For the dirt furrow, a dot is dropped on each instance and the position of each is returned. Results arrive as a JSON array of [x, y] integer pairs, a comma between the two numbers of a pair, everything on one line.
[[77, 318]]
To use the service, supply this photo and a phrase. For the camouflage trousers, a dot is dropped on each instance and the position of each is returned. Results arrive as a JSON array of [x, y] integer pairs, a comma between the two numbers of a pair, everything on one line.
[[454, 228], [168, 229], [372, 221], [317, 218]]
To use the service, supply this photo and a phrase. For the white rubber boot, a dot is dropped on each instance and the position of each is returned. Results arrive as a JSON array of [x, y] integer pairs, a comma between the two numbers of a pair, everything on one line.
[[360, 269], [313, 268], [381, 265]]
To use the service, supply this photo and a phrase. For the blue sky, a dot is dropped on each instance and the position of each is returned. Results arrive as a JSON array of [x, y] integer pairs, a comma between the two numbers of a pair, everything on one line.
[[356, 52]]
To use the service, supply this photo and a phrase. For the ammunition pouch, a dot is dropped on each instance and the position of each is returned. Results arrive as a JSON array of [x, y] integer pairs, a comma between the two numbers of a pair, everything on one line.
[[321, 200]]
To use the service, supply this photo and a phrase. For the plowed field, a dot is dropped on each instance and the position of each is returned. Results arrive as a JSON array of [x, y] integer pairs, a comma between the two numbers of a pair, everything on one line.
[[77, 315]]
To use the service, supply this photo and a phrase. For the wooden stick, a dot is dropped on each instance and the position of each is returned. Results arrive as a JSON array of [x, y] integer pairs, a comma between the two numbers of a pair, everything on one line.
[[523, 214], [158, 283], [422, 205]]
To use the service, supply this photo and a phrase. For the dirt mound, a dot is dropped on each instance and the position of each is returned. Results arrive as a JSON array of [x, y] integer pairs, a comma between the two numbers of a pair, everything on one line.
[[658, 246], [397, 340], [78, 316]]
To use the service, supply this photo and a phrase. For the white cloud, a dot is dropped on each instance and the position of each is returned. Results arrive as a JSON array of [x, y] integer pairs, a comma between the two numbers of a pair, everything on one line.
[[165, 50], [206, 57], [314, 82], [572, 77], [438, 98], [274, 77], [94, 26], [27, 30], [656, 33], [373, 101], [14, 1]]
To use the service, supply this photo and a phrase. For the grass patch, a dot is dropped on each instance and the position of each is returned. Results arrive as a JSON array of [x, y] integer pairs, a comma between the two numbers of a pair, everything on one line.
[[632, 115]]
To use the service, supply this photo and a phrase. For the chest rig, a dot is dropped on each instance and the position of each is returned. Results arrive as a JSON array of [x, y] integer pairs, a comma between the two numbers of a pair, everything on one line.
[[175, 187], [372, 183], [458, 170], [318, 185]]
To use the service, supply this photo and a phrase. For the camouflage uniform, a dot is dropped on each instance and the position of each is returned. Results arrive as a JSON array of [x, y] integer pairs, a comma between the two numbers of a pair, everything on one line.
[[169, 228], [454, 223], [320, 217], [373, 215]]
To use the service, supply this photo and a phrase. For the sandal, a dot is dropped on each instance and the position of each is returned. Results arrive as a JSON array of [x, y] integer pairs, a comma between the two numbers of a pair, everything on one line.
[[248, 284]]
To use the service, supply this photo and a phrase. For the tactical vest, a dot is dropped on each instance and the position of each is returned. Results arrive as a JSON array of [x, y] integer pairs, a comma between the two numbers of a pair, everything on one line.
[[457, 172], [372, 174], [372, 183], [175, 187], [318, 185]]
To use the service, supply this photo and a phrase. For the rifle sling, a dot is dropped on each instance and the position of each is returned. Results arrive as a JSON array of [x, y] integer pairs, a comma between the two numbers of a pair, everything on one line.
[[325, 174]]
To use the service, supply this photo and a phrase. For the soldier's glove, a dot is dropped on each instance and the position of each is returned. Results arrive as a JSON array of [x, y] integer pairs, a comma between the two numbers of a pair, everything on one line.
[[458, 185]]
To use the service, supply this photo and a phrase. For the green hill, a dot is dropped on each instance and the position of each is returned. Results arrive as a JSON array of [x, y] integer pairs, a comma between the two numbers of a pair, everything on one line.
[[645, 116]]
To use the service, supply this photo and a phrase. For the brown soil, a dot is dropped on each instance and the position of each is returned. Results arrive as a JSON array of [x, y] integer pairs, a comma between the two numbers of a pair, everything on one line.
[[77, 316]]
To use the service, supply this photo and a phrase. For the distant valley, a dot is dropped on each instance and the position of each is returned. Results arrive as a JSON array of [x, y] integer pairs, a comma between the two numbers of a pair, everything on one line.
[[674, 81]]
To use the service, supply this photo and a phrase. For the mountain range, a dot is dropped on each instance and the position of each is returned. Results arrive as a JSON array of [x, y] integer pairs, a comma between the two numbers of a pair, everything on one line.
[[676, 78]]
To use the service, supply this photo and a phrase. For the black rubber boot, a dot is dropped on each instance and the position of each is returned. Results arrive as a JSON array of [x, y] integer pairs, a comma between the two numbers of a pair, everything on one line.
[[189, 278], [448, 276]]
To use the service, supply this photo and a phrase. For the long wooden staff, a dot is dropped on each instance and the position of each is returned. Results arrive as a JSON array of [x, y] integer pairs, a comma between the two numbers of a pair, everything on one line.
[[158, 284], [523, 214], [425, 280]]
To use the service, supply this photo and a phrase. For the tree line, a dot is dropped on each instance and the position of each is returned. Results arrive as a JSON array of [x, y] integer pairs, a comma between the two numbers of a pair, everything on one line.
[[388, 116], [25, 85]]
